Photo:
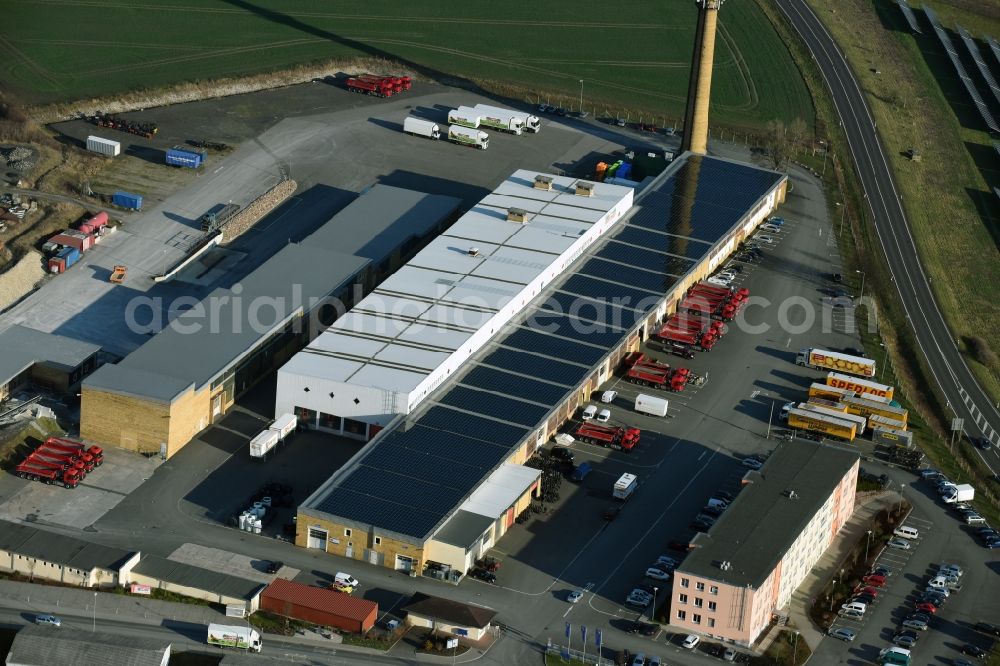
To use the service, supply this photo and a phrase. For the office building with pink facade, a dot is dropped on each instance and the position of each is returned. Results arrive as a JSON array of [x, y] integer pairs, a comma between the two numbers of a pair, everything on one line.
[[743, 571]]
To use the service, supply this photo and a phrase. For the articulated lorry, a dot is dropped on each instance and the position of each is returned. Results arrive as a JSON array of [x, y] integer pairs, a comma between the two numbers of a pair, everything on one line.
[[465, 116], [836, 361], [469, 137], [499, 120], [421, 127], [859, 386], [241, 638], [33, 470], [613, 437], [813, 421], [528, 122], [640, 369], [838, 411]]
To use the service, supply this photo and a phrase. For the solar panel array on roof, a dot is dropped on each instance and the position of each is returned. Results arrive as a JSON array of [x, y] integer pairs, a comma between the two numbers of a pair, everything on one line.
[[543, 368], [647, 259], [527, 371], [599, 312], [519, 386]]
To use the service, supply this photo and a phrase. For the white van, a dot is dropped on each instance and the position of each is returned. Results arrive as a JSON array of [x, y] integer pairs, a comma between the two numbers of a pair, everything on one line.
[[346, 579], [907, 532], [589, 412], [855, 606]]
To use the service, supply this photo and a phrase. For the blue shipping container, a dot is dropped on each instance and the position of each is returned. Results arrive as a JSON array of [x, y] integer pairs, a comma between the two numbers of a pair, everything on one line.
[[127, 200], [183, 158], [70, 254]]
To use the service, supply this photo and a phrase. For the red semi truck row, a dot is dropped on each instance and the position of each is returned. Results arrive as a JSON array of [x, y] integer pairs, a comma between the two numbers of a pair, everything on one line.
[[613, 437], [714, 301], [60, 461], [380, 86], [691, 330], [35, 472], [93, 455]]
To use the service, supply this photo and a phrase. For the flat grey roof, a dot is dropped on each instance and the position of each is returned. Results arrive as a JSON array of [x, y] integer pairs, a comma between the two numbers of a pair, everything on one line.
[[22, 347], [197, 346], [198, 578], [759, 527], [382, 219], [463, 529], [64, 646], [59, 549]]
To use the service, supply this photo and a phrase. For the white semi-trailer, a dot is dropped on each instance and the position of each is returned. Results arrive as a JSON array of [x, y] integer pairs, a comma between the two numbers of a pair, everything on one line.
[[241, 638], [528, 122], [469, 137], [464, 116], [421, 127]]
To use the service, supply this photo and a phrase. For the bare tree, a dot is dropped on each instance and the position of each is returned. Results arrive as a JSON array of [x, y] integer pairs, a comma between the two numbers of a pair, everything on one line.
[[778, 147]]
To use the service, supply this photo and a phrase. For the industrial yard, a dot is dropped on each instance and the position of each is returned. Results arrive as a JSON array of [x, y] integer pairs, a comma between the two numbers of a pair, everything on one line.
[[374, 367]]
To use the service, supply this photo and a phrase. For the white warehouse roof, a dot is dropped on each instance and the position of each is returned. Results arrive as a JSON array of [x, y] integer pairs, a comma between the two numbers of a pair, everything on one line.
[[420, 324]]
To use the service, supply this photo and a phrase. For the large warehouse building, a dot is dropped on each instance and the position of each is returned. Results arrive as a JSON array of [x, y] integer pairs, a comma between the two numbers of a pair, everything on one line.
[[746, 567], [189, 375], [444, 480]]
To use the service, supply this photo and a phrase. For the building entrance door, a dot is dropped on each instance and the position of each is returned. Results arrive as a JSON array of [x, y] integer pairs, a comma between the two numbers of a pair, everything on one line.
[[317, 538]]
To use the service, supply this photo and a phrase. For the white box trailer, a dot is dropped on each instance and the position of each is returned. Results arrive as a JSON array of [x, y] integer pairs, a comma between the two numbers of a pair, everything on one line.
[[469, 137], [528, 122], [96, 144], [262, 444], [421, 127], [284, 425], [465, 116], [625, 486], [648, 404], [241, 638], [505, 121]]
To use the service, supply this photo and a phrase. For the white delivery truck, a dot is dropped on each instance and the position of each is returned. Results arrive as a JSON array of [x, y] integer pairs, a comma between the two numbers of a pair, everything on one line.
[[421, 127], [262, 444], [505, 121], [960, 493], [242, 638], [648, 404], [528, 122], [96, 144], [469, 137], [465, 116], [625, 486]]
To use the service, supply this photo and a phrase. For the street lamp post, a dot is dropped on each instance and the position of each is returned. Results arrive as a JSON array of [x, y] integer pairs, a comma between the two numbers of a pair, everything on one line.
[[652, 613], [863, 275], [581, 95], [867, 543], [795, 648], [94, 629], [899, 507]]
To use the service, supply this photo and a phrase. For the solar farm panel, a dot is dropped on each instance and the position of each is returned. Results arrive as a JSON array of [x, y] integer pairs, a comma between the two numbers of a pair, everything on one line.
[[977, 57], [910, 17]]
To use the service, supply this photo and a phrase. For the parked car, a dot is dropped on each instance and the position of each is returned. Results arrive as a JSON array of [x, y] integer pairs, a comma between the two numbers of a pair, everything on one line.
[[987, 628], [562, 453], [764, 238], [690, 642], [773, 228], [973, 651], [574, 596], [905, 639], [721, 282], [842, 633], [881, 570], [917, 625], [922, 617], [657, 574], [604, 416], [901, 544], [484, 575], [774, 219], [752, 463], [961, 662], [609, 396], [667, 562], [49, 620], [643, 628], [639, 598], [874, 580], [926, 607]]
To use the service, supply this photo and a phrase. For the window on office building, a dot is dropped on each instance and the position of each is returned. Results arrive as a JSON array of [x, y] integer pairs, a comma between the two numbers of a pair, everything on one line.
[[696, 618], [700, 587], [685, 582], [681, 615], [714, 589], [711, 622], [711, 605], [697, 602], [682, 598]]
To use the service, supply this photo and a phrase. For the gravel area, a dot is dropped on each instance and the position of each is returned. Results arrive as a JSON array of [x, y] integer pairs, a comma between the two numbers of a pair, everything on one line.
[[21, 279]]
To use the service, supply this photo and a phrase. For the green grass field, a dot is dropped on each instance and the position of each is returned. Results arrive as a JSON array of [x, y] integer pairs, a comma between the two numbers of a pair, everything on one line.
[[630, 56]]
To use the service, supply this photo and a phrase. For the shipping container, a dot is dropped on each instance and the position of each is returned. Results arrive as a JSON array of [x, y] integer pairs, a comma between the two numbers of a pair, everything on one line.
[[94, 224], [127, 200], [324, 607], [96, 144], [63, 260], [183, 158], [75, 239], [859, 385]]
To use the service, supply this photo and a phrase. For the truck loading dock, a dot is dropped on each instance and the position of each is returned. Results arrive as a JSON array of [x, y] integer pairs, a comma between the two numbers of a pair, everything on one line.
[[403, 490], [189, 375]]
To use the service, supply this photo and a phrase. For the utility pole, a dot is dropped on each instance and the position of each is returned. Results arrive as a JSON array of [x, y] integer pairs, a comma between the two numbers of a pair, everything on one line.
[[581, 95]]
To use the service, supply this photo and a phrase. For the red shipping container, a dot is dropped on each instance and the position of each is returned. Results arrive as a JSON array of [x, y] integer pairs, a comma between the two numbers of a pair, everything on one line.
[[73, 238], [57, 265], [324, 607]]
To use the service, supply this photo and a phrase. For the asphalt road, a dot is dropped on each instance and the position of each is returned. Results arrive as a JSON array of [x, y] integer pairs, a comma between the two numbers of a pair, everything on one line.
[[938, 346]]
